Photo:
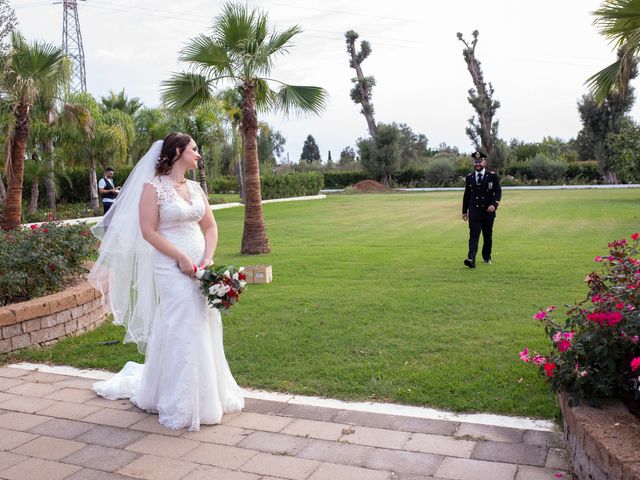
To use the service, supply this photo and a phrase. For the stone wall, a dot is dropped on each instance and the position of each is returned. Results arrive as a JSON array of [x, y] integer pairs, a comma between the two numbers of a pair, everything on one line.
[[603, 442], [45, 320]]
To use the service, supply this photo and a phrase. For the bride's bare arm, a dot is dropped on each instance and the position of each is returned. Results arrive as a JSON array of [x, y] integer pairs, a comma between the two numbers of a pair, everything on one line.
[[210, 231], [149, 229]]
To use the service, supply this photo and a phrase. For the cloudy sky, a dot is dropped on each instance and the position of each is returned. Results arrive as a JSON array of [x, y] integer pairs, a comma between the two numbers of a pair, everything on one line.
[[537, 55]]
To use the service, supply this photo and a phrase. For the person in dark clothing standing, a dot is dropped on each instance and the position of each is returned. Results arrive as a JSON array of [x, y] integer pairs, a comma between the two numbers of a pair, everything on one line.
[[107, 189], [482, 195]]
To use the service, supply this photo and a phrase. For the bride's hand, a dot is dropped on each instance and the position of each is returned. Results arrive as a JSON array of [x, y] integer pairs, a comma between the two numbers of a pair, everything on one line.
[[186, 265], [205, 262]]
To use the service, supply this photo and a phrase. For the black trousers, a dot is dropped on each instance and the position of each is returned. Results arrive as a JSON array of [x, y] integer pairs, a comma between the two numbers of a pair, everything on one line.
[[480, 222], [106, 206]]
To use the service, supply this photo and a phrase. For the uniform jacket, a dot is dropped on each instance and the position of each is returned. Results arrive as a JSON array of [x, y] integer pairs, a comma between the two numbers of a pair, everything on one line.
[[479, 197]]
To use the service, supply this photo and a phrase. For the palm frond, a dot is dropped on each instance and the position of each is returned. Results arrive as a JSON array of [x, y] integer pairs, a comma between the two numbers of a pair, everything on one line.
[[186, 90], [265, 96], [301, 99], [615, 19], [204, 53], [279, 41], [605, 81]]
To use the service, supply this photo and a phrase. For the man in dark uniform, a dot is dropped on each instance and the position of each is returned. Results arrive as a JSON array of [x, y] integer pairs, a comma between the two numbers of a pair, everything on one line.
[[482, 195], [107, 189]]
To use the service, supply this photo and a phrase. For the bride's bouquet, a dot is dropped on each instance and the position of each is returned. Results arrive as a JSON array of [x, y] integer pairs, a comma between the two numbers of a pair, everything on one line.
[[221, 285]]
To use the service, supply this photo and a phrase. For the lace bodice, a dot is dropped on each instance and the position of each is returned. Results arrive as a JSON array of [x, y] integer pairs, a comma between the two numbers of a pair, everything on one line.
[[179, 219]]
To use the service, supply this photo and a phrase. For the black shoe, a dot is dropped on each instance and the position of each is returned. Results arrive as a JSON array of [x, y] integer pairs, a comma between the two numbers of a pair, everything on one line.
[[469, 263], [488, 261]]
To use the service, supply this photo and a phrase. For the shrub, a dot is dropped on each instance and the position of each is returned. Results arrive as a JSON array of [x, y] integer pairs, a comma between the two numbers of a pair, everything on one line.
[[409, 177], [290, 185], [519, 170], [597, 348], [223, 184], [544, 168], [587, 171], [440, 172], [335, 180], [40, 260]]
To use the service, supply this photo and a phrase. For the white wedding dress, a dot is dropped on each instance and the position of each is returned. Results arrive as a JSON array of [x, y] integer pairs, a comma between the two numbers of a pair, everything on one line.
[[185, 377]]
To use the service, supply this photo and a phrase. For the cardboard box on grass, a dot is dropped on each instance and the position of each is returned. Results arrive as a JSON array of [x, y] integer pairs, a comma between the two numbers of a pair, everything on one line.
[[258, 273]]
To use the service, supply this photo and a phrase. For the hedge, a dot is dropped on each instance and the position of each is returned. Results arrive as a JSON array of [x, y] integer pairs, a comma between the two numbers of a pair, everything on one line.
[[336, 180], [290, 185]]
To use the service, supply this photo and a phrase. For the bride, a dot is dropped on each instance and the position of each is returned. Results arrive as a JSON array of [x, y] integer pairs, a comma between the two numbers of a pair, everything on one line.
[[160, 226]]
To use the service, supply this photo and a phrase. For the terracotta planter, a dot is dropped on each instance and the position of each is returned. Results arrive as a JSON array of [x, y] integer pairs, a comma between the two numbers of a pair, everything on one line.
[[604, 441]]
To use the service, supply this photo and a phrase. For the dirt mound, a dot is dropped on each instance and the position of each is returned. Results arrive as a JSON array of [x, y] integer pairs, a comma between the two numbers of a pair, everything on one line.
[[370, 186]]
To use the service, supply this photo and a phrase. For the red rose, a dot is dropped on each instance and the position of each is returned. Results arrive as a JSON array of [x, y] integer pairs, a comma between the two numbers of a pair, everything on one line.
[[635, 236], [549, 367]]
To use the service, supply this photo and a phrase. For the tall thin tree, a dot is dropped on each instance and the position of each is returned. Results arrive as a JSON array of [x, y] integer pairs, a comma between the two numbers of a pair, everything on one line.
[[483, 130], [363, 86]]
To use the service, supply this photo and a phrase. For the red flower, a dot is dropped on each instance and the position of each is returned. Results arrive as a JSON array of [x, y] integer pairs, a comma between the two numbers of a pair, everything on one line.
[[45, 230], [52, 267], [34, 227], [620, 305], [635, 364], [564, 345], [549, 367], [635, 236]]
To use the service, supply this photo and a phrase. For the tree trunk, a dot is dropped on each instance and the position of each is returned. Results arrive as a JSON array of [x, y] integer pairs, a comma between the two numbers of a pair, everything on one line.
[[3, 192], [93, 186], [49, 179], [254, 236], [35, 193], [202, 174], [364, 92], [12, 214]]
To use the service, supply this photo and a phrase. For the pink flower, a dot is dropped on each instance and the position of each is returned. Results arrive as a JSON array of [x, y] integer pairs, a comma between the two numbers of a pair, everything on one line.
[[524, 355], [569, 335], [564, 345], [620, 305], [635, 364], [539, 359], [596, 298], [583, 373], [635, 236], [551, 308], [634, 339], [598, 258], [614, 318], [541, 315], [557, 337], [558, 475]]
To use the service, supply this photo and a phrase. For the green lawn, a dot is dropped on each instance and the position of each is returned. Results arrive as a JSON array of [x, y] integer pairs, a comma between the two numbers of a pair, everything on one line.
[[370, 299]]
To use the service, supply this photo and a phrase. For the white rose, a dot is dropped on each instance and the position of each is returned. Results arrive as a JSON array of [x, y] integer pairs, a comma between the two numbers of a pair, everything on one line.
[[213, 290], [235, 276], [199, 273], [241, 269], [242, 283], [216, 301], [224, 289], [227, 273]]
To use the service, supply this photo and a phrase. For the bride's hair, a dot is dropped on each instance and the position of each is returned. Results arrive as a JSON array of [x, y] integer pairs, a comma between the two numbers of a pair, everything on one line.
[[173, 142]]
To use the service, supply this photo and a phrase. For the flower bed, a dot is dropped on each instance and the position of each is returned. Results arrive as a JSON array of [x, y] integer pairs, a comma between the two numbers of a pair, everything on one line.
[[45, 320], [603, 442]]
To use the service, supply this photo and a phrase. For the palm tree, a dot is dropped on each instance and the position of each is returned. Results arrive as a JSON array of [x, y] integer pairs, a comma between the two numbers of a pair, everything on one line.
[[120, 101], [242, 49], [618, 21], [28, 68]]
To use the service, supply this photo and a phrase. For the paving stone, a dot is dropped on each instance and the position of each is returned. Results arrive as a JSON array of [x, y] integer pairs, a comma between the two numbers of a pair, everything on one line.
[[20, 421], [42, 377], [424, 425], [466, 469], [12, 372], [274, 443], [543, 438], [101, 458], [440, 444], [33, 389], [90, 474], [151, 424], [206, 472], [9, 383], [73, 395], [9, 459], [6, 396], [282, 466], [257, 421], [164, 446], [39, 469], [255, 405], [334, 452], [121, 404], [557, 458], [68, 410], [77, 382], [332, 471], [49, 448], [157, 468], [410, 476], [110, 436], [489, 432], [26, 404], [223, 434], [114, 418], [61, 428], [510, 453], [364, 419], [220, 455], [10, 439], [310, 413], [375, 437], [526, 472], [403, 462], [315, 429]]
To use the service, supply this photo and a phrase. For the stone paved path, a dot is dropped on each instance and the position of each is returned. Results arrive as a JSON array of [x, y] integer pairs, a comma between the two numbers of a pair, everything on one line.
[[53, 427]]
